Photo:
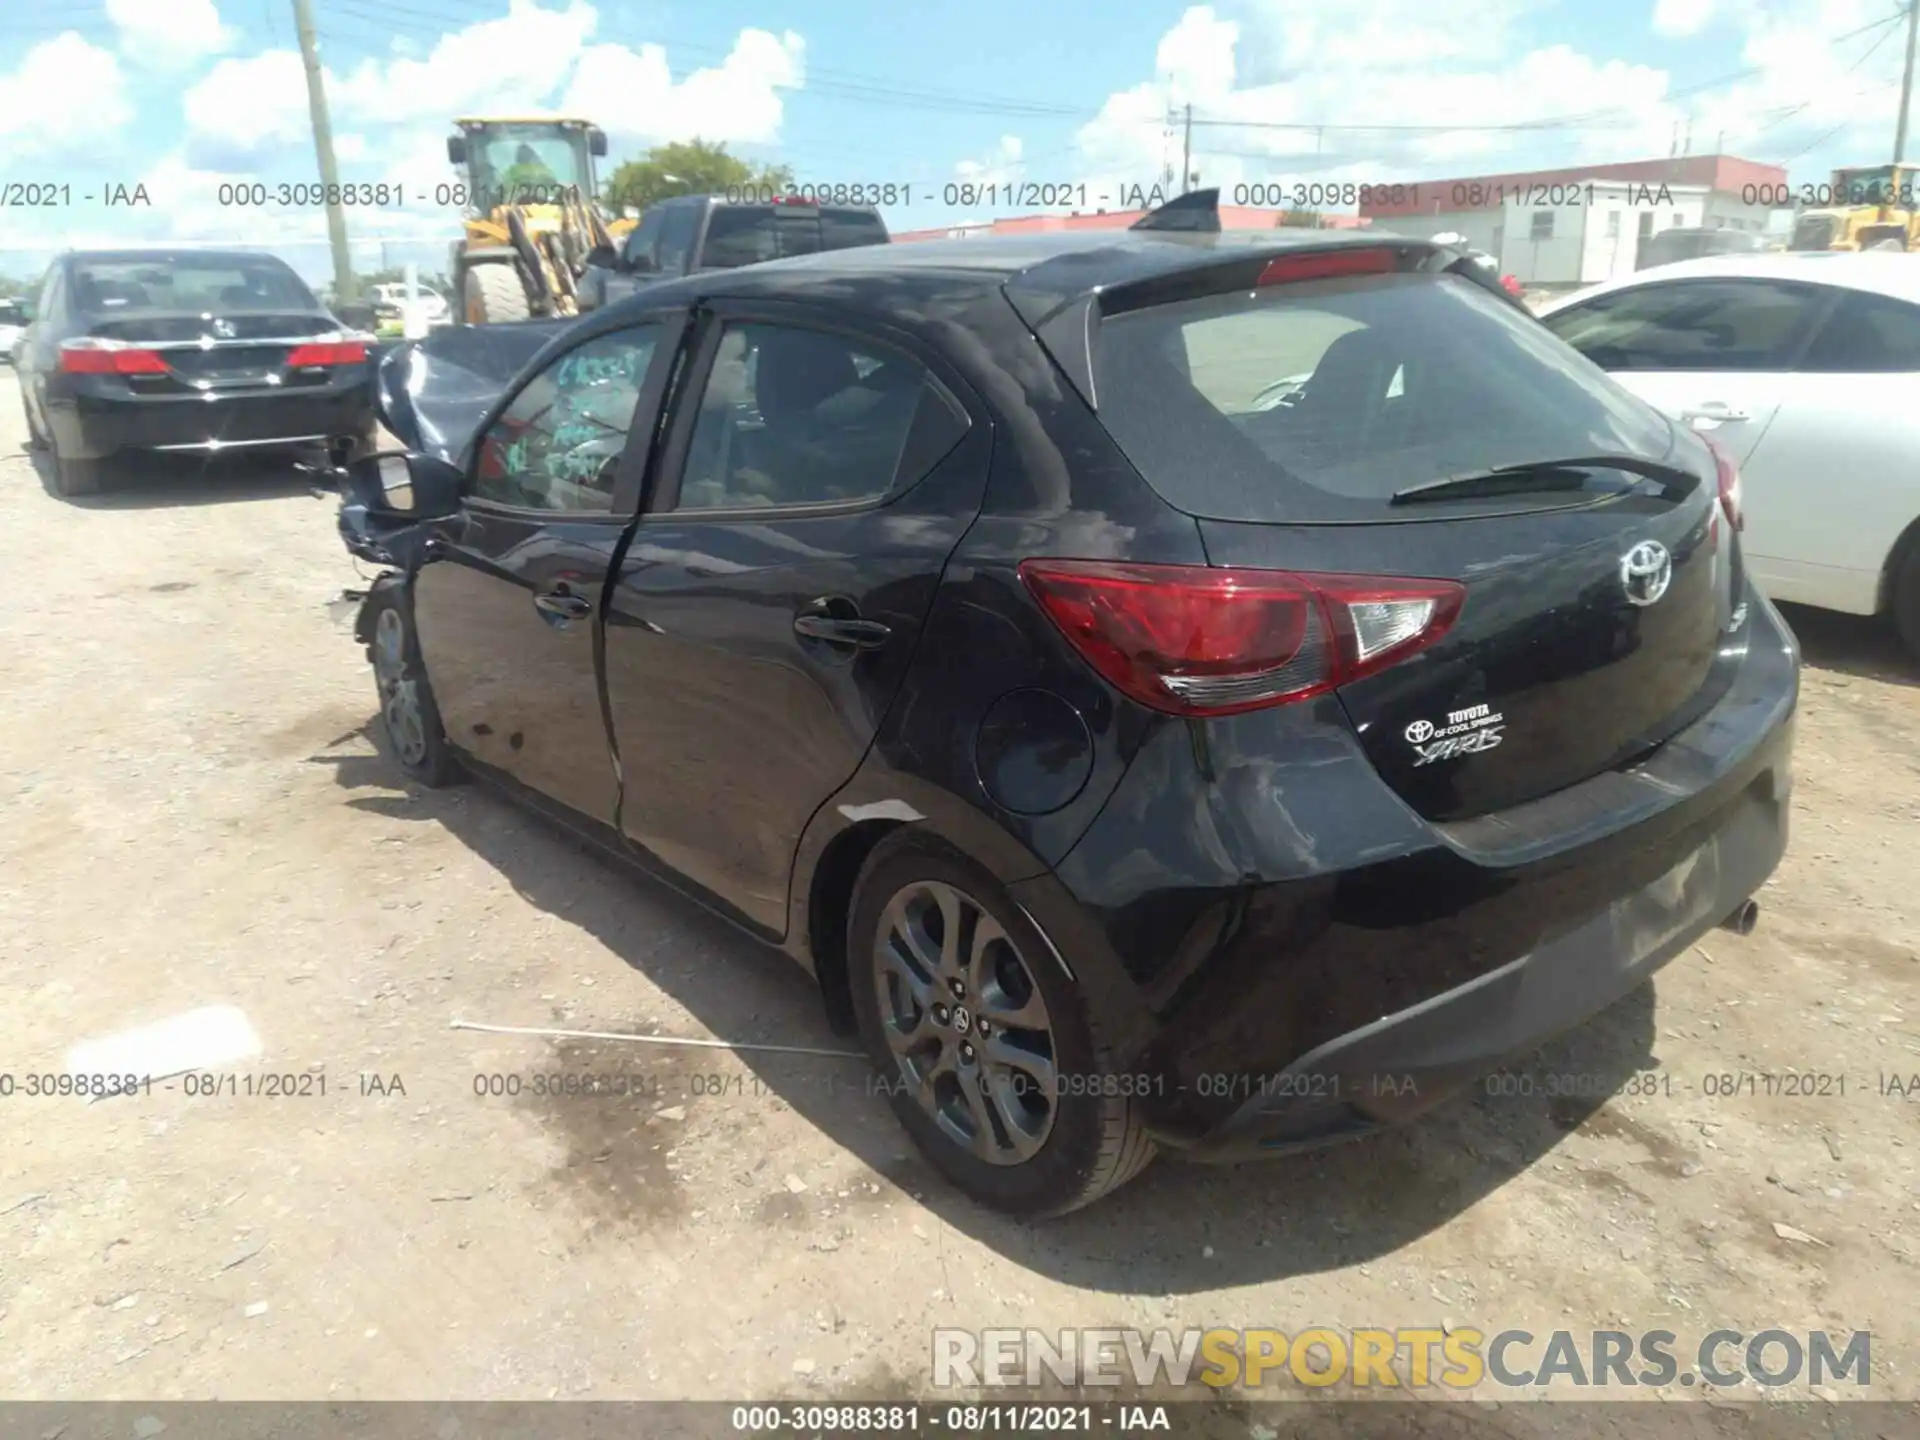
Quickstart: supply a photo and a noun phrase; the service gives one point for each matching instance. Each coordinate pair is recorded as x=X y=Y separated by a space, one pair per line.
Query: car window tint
x=676 y=238
x=798 y=417
x=1317 y=402
x=740 y=235
x=1867 y=334
x=557 y=445
x=165 y=282
x=1690 y=325
x=847 y=229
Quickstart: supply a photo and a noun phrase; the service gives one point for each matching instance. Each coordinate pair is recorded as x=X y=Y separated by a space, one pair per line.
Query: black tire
x=36 y=440
x=409 y=718
x=1906 y=598
x=78 y=477
x=493 y=295
x=1092 y=1142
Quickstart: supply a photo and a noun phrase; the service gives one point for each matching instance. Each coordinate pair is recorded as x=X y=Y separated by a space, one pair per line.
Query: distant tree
x=1298 y=220
x=689 y=167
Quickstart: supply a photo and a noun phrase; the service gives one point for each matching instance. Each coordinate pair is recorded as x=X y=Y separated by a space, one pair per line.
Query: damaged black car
x=1138 y=762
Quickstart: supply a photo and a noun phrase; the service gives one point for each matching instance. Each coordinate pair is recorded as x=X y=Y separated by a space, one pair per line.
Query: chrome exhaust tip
x=1745 y=916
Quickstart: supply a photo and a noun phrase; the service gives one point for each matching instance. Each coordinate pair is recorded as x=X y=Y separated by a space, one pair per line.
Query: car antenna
x=1196 y=212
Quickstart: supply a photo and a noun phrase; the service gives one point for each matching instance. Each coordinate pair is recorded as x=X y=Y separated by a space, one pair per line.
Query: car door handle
x=1714 y=410
x=562 y=605
x=834 y=630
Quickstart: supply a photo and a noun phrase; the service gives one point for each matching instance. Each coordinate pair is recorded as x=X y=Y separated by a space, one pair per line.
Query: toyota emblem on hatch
x=1645 y=572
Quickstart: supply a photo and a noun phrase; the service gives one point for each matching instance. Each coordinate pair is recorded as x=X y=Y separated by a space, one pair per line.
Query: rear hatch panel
x=1552 y=673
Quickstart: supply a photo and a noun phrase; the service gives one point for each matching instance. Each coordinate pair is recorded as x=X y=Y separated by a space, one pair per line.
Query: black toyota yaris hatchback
x=1174 y=691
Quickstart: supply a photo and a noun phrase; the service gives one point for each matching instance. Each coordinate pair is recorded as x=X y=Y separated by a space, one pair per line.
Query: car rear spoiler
x=432 y=393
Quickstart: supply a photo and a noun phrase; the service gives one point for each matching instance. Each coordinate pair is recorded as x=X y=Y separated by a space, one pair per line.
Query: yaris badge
x=1645 y=572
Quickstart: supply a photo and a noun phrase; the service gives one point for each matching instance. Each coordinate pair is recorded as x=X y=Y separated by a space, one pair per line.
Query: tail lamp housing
x=1195 y=640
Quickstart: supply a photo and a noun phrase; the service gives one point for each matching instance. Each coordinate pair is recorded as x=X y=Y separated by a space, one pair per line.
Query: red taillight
x=1326 y=265
x=341 y=352
x=1193 y=640
x=92 y=356
x=1729 y=477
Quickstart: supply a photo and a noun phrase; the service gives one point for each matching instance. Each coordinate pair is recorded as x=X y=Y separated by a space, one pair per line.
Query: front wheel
x=408 y=714
x=988 y=1052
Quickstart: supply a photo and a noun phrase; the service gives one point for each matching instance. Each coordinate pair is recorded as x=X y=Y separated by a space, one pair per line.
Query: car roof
x=1891 y=273
x=1049 y=268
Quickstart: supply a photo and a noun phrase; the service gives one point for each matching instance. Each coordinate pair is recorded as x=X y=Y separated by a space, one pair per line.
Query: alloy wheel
x=399 y=688
x=966 y=1023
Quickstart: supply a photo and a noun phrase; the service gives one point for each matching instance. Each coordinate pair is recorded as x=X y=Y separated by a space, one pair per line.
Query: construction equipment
x=532 y=219
x=1871 y=207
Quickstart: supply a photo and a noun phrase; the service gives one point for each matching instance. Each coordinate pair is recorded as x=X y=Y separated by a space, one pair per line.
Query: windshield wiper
x=1531 y=475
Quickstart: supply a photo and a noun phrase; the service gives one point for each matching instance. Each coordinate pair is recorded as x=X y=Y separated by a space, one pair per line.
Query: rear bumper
x=89 y=427
x=1404 y=1064
x=1344 y=965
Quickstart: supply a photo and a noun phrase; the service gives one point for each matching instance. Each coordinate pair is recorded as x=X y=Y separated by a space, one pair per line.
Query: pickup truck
x=710 y=232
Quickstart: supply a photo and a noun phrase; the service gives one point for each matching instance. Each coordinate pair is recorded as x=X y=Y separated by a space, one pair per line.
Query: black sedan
x=194 y=350
x=1134 y=766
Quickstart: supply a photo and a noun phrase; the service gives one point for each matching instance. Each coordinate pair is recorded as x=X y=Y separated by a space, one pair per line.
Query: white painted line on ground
x=197 y=1040
x=657 y=1040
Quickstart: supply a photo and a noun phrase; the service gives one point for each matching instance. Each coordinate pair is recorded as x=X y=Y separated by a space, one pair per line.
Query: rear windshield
x=12 y=312
x=846 y=229
x=1314 y=402
x=748 y=234
x=222 y=286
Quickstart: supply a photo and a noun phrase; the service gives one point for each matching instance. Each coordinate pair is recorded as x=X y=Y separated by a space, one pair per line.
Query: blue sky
x=185 y=95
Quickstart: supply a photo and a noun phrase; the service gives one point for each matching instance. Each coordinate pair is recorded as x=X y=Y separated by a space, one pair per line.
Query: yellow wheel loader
x=1866 y=207
x=532 y=218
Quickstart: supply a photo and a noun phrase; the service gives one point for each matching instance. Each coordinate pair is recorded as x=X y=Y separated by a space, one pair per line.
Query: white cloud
x=64 y=93
x=168 y=33
x=246 y=106
x=1677 y=19
x=1405 y=89
x=1002 y=167
x=632 y=94
x=514 y=63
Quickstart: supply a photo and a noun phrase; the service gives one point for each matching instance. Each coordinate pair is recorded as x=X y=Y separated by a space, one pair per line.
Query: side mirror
x=597 y=142
x=402 y=483
x=603 y=256
x=457 y=149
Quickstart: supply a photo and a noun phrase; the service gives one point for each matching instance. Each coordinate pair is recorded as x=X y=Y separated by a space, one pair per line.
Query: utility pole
x=1906 y=84
x=1186 y=149
x=344 y=291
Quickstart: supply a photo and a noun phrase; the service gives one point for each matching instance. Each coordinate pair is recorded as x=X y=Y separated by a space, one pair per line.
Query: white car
x=434 y=309
x=13 y=324
x=1805 y=369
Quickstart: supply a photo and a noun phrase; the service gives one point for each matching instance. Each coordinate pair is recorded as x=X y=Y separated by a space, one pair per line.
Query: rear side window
x=1316 y=401
x=1867 y=334
x=1692 y=325
x=793 y=416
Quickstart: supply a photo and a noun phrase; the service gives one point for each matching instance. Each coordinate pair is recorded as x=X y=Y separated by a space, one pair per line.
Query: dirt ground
x=195 y=815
